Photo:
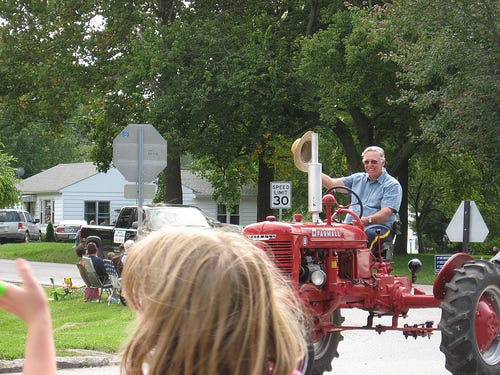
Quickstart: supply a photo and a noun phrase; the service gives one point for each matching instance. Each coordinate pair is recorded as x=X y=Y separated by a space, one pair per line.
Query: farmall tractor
x=330 y=265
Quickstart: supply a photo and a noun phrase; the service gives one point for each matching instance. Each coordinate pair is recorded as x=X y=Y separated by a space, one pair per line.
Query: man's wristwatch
x=369 y=219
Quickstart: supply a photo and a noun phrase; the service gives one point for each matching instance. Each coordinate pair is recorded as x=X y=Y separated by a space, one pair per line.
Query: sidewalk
x=87 y=360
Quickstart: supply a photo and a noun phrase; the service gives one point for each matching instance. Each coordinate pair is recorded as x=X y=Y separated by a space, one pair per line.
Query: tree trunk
x=313 y=15
x=364 y=126
x=266 y=175
x=402 y=240
x=420 y=234
x=172 y=192
x=345 y=136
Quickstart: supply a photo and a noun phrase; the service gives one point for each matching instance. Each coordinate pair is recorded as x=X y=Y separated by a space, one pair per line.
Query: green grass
x=77 y=325
x=425 y=276
x=53 y=252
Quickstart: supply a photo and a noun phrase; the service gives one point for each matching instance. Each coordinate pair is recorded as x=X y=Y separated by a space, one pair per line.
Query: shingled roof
x=56 y=178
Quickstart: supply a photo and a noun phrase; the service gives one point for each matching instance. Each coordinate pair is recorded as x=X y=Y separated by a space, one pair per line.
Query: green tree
x=42 y=78
x=357 y=89
x=9 y=194
x=449 y=55
x=217 y=84
x=438 y=184
x=49 y=236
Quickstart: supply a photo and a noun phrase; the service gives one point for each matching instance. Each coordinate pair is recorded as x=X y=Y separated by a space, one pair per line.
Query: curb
x=98 y=360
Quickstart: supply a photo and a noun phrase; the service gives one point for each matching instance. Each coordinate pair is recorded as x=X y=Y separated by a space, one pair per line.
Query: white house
x=79 y=191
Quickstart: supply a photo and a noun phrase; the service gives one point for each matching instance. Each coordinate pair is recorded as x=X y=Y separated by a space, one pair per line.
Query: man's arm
x=328 y=182
x=378 y=217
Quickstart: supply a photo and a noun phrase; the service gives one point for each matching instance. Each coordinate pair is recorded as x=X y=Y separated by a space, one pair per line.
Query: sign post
x=467 y=225
x=281 y=195
x=139 y=153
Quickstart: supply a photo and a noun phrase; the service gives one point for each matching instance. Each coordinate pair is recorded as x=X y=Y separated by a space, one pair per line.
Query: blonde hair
x=209 y=302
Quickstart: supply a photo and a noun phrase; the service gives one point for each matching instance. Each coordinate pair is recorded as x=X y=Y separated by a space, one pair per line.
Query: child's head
x=80 y=250
x=110 y=255
x=209 y=303
x=91 y=248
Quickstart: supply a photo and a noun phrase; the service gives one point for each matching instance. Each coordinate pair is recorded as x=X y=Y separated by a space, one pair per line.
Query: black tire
x=322 y=352
x=470 y=320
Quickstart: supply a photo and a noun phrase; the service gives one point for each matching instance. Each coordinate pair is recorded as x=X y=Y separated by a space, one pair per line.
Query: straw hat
x=302 y=151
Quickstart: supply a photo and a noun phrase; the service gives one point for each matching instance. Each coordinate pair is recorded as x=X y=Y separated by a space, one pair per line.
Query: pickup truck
x=108 y=238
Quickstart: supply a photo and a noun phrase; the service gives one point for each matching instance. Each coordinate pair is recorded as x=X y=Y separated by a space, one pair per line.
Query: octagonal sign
x=139 y=150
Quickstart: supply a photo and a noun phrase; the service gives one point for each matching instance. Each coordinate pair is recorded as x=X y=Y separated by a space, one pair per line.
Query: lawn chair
x=89 y=266
x=85 y=277
x=115 y=281
x=67 y=289
x=92 y=281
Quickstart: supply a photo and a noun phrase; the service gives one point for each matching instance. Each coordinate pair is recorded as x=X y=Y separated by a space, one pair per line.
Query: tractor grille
x=280 y=252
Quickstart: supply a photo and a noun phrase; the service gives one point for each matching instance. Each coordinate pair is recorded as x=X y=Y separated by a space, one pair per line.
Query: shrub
x=49 y=237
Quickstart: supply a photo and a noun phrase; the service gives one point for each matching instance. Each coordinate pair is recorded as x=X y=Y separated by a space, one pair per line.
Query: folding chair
x=67 y=289
x=115 y=280
x=92 y=280
x=89 y=266
x=85 y=277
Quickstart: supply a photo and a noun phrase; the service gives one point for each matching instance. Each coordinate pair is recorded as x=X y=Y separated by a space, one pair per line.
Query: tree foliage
x=233 y=83
x=449 y=54
x=40 y=46
x=437 y=186
x=8 y=178
x=357 y=88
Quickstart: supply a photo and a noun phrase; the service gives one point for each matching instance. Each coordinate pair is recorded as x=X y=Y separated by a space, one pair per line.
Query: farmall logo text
x=261 y=237
x=325 y=233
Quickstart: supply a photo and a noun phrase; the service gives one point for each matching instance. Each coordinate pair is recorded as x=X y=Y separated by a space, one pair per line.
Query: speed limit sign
x=281 y=194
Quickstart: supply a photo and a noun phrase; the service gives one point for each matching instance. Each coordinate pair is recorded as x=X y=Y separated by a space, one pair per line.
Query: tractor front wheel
x=470 y=335
x=324 y=350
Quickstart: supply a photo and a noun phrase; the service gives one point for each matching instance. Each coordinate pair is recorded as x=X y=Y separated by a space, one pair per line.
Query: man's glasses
x=366 y=162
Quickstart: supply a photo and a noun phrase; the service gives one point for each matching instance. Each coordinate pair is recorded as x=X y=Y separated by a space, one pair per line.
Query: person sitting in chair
x=97 y=262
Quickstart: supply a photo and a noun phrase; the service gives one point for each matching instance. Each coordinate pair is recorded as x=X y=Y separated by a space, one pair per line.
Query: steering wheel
x=347 y=192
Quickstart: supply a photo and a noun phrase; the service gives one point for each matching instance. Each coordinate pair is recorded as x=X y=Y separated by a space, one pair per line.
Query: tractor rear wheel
x=323 y=351
x=470 y=336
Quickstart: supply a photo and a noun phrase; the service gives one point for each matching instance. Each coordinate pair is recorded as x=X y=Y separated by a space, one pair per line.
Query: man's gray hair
x=380 y=151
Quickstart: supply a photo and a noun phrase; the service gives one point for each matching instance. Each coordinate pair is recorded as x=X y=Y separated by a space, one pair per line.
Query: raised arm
x=29 y=303
x=329 y=182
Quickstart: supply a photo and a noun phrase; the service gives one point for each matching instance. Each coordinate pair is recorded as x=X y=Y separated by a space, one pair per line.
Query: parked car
x=67 y=230
x=18 y=225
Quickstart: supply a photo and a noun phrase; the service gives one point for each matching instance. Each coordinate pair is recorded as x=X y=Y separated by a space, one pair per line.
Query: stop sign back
x=139 y=149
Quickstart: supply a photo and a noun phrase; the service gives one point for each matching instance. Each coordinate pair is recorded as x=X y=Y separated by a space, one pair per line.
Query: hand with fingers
x=29 y=302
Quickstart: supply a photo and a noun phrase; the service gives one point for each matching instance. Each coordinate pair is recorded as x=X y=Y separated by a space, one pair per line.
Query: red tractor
x=332 y=269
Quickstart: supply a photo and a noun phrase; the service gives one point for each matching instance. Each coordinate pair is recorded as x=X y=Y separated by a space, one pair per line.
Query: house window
x=228 y=217
x=97 y=211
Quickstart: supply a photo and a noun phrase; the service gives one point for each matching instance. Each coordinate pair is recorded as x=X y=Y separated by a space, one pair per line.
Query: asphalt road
x=361 y=352
x=43 y=272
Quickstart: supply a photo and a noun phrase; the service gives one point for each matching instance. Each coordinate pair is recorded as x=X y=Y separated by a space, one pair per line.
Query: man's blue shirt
x=383 y=192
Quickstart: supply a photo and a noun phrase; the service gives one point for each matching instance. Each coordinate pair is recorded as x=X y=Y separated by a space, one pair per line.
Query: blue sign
x=439 y=261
